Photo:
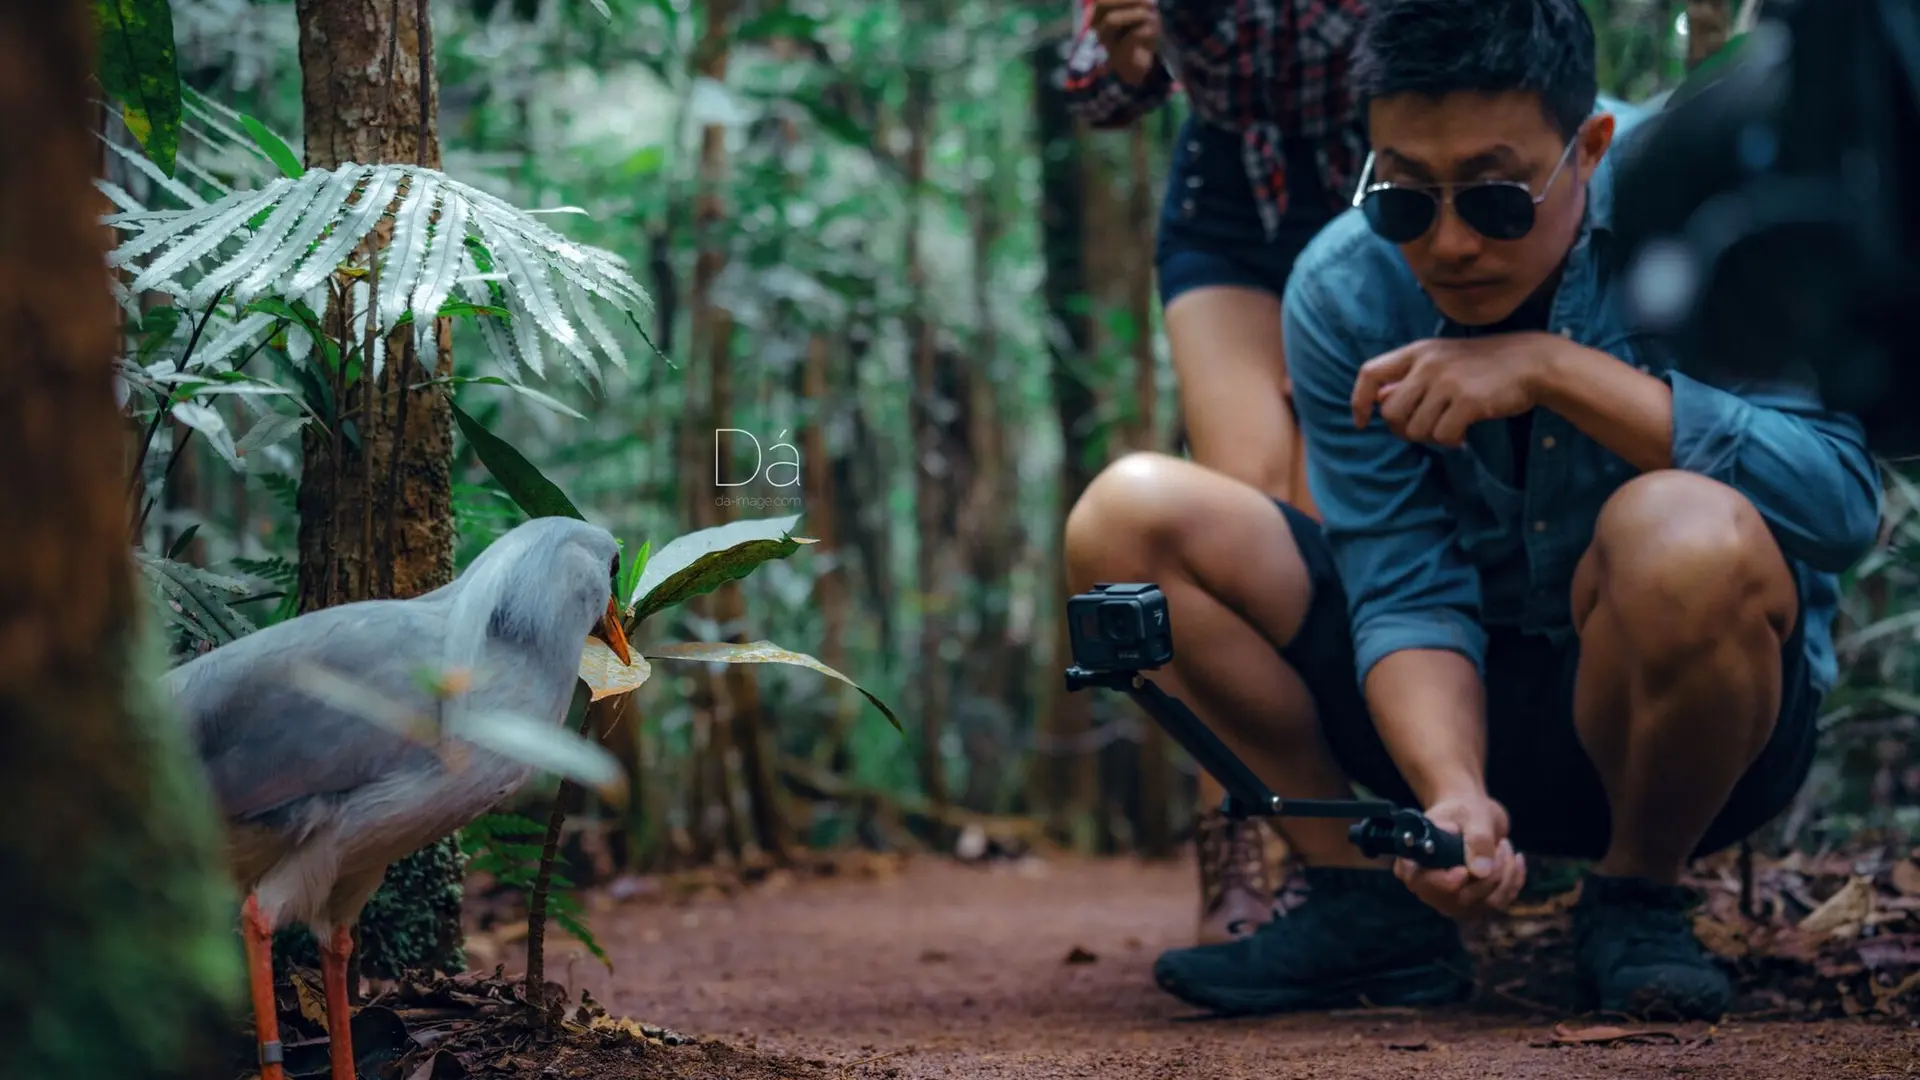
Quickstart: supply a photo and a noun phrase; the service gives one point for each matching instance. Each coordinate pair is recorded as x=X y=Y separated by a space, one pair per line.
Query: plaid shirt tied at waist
x=1268 y=69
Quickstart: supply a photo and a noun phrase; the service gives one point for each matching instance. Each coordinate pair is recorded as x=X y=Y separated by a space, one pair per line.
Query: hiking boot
x=1236 y=890
x=1638 y=955
x=1359 y=938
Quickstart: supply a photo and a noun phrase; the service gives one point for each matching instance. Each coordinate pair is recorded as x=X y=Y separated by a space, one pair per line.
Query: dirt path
x=944 y=970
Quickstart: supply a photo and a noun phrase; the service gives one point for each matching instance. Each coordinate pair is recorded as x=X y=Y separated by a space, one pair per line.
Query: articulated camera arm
x=1383 y=829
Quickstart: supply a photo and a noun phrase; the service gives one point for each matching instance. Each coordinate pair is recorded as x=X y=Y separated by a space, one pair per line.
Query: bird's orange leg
x=333 y=978
x=266 y=1018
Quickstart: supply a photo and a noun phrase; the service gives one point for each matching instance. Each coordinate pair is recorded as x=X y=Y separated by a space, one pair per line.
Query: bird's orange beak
x=608 y=630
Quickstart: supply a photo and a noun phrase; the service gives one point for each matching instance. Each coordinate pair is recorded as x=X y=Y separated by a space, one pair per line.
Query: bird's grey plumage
x=319 y=800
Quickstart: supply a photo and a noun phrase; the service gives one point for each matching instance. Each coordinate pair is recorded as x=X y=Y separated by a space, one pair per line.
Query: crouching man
x=1567 y=600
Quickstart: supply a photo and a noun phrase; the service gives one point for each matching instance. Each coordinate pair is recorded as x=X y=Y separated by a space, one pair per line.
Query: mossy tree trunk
x=376 y=504
x=119 y=953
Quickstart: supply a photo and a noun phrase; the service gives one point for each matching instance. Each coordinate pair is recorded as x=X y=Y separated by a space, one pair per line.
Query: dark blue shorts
x=1536 y=766
x=1210 y=231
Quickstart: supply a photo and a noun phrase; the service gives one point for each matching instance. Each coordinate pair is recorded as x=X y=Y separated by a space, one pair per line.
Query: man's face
x=1463 y=138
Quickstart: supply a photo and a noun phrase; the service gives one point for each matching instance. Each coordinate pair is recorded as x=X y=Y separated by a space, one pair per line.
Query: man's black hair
x=1438 y=47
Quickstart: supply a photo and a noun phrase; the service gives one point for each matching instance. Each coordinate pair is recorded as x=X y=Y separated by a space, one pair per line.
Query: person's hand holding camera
x=1130 y=32
x=1494 y=873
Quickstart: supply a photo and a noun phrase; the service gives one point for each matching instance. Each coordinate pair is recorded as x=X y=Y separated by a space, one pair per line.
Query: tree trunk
x=1157 y=781
x=376 y=504
x=119 y=951
x=933 y=469
x=1071 y=794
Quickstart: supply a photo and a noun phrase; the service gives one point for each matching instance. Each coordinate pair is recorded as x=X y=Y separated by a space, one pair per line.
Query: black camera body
x=1116 y=628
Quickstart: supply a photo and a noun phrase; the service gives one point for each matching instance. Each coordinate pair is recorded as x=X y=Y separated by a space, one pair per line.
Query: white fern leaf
x=529 y=280
x=407 y=254
x=437 y=277
x=152 y=172
x=217 y=231
x=240 y=335
x=583 y=307
x=157 y=227
x=474 y=286
x=119 y=196
x=353 y=227
x=273 y=232
x=309 y=228
x=313 y=224
x=571 y=255
x=184 y=163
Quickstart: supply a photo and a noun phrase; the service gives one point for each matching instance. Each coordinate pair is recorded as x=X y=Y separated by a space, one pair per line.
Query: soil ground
x=1040 y=969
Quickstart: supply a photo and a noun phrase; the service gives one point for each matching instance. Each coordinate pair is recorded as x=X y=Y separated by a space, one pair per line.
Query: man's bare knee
x=1681 y=561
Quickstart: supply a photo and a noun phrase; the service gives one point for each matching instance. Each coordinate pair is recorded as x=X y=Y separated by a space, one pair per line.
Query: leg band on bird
x=266 y=1019
x=333 y=977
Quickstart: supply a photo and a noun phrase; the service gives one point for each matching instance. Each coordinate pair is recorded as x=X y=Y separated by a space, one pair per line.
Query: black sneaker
x=1637 y=953
x=1359 y=938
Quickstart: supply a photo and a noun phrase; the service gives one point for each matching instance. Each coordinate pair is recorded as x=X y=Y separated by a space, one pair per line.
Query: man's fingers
x=1419 y=425
x=1509 y=890
x=1451 y=428
x=1374 y=374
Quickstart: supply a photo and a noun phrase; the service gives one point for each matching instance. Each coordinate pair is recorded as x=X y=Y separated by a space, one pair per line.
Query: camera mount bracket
x=1382 y=829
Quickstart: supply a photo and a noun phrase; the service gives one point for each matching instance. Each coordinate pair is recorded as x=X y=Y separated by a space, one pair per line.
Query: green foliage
x=275 y=148
x=529 y=489
x=507 y=847
x=137 y=68
x=700 y=562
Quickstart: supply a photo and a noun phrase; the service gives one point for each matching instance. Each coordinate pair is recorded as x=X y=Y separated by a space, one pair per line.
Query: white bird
x=319 y=799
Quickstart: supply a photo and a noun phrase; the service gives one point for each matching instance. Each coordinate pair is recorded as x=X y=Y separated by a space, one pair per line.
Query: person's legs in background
x=1221 y=281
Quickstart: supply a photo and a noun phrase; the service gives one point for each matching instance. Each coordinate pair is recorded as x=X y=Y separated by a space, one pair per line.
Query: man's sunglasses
x=1496 y=209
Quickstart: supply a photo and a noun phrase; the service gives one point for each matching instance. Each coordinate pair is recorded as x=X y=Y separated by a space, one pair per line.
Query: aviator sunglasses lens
x=1495 y=211
x=1399 y=215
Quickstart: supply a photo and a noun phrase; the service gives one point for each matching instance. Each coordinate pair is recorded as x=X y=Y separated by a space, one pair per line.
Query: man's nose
x=1452 y=240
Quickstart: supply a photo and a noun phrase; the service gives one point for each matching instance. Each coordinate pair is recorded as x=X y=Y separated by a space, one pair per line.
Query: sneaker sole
x=1428 y=984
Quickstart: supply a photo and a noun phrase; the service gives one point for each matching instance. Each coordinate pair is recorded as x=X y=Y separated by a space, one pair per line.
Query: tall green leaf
x=700 y=562
x=274 y=147
x=761 y=652
x=524 y=484
x=138 y=69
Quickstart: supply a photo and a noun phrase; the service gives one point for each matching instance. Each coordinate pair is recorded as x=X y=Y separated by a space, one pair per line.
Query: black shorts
x=1210 y=231
x=1536 y=767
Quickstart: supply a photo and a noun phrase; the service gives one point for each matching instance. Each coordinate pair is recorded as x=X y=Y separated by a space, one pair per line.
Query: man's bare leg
x=1682 y=603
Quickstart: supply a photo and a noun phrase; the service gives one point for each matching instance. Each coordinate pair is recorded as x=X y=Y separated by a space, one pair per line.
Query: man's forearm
x=1615 y=404
x=1429 y=706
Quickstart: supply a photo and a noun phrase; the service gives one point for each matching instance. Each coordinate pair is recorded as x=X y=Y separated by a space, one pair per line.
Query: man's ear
x=1595 y=137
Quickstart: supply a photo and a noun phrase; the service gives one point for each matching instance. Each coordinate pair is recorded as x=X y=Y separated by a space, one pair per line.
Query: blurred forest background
x=881 y=252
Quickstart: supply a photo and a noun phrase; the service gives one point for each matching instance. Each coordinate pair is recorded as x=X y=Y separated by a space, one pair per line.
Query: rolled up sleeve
x=1806 y=470
x=1408 y=584
x=1099 y=97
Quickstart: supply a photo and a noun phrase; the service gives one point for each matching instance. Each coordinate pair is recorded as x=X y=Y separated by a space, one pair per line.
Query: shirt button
x=1539 y=526
x=1193 y=181
x=1186 y=207
x=1566 y=331
x=1193 y=146
x=1546 y=443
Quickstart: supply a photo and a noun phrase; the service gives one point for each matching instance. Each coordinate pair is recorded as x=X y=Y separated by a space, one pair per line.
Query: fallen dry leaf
x=313 y=1004
x=1607 y=1035
x=1844 y=911
x=1420 y=1043
x=606 y=676
x=1080 y=956
x=1906 y=877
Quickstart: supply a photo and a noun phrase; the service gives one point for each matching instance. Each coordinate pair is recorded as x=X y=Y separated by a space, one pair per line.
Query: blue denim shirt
x=1434 y=545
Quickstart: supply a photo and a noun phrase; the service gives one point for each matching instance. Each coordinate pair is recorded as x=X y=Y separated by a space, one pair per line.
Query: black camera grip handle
x=1407 y=834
